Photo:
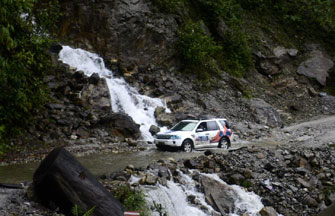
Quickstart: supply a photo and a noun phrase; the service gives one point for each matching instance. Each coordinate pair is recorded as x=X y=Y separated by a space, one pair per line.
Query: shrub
x=24 y=43
x=132 y=199
x=198 y=50
x=169 y=6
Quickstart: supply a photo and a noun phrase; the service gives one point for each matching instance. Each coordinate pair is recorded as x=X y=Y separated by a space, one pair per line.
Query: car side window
x=203 y=126
x=212 y=125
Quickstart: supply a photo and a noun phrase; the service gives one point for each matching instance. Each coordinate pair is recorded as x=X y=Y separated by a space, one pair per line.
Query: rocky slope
x=290 y=181
x=141 y=44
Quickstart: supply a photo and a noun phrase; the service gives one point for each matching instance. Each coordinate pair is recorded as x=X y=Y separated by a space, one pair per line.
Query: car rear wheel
x=187 y=146
x=224 y=143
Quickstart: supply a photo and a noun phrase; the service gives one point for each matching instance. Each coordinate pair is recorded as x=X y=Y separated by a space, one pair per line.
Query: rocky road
x=314 y=133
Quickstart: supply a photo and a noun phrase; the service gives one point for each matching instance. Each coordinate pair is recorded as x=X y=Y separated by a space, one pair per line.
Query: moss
x=246 y=184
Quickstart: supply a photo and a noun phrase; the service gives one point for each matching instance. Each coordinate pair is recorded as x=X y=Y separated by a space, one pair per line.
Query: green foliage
x=198 y=50
x=237 y=53
x=207 y=53
x=23 y=61
x=313 y=19
x=214 y=10
x=246 y=184
x=76 y=211
x=169 y=6
x=132 y=199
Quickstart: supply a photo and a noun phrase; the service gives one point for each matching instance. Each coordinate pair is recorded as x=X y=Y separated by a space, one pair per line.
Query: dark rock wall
x=124 y=30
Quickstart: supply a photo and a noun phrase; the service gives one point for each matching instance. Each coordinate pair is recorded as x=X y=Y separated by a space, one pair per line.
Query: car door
x=214 y=133
x=202 y=135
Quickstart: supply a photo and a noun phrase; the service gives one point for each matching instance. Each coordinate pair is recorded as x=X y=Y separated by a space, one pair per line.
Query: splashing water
x=173 y=198
x=124 y=98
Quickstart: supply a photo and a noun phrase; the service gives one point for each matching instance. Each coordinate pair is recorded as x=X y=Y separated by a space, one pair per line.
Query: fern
x=76 y=211
x=89 y=212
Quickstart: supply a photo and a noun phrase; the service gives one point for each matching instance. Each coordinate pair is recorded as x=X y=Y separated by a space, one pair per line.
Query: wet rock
x=154 y=130
x=94 y=79
x=149 y=180
x=218 y=195
x=165 y=119
x=191 y=164
x=268 y=211
x=121 y=125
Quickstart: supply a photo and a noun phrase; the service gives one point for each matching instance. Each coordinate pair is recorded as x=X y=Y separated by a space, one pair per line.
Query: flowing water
x=124 y=98
x=127 y=99
x=98 y=164
x=173 y=198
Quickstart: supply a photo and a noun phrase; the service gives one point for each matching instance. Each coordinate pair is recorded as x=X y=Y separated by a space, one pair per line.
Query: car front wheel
x=187 y=146
x=224 y=143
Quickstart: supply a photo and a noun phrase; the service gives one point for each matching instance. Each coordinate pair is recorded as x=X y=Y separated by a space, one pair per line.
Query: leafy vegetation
x=198 y=50
x=76 y=211
x=24 y=41
x=230 y=50
x=132 y=199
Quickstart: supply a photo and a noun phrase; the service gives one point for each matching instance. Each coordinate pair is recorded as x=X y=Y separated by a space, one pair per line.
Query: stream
x=98 y=164
x=125 y=98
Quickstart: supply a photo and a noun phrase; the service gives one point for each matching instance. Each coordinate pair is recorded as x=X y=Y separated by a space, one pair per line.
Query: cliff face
x=126 y=31
x=136 y=39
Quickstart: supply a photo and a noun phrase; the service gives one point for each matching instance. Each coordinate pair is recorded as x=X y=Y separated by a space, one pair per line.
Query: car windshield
x=184 y=126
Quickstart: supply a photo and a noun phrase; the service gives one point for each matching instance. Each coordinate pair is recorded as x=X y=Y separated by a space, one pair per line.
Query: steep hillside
x=225 y=58
x=260 y=64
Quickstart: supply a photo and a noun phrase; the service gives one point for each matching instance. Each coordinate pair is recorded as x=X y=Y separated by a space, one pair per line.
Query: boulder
x=154 y=129
x=96 y=95
x=317 y=66
x=264 y=113
x=62 y=181
x=121 y=125
x=94 y=79
x=165 y=119
x=268 y=211
x=221 y=197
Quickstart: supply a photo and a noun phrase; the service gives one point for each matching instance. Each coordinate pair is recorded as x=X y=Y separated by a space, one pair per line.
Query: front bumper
x=164 y=142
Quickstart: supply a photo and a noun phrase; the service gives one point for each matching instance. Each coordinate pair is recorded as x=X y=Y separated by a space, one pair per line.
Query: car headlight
x=155 y=136
x=174 y=137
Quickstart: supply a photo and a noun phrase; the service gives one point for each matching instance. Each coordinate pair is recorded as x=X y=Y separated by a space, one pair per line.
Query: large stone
x=121 y=125
x=221 y=197
x=96 y=95
x=62 y=180
x=316 y=67
x=264 y=113
x=268 y=211
x=165 y=119
x=154 y=129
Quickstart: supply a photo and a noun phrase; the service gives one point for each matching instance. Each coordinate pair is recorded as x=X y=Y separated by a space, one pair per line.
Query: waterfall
x=173 y=198
x=124 y=98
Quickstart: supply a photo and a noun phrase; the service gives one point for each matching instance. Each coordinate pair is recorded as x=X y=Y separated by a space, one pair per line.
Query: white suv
x=193 y=134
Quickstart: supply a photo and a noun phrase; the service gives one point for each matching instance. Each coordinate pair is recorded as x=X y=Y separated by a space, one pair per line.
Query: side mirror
x=199 y=130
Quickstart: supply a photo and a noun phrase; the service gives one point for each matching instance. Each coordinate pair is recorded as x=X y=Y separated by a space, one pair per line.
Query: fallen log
x=62 y=181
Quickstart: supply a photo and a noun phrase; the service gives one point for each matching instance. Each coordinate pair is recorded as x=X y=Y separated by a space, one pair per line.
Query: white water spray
x=173 y=198
x=124 y=98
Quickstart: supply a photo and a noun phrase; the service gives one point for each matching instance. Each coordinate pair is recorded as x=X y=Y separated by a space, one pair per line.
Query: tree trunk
x=62 y=181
